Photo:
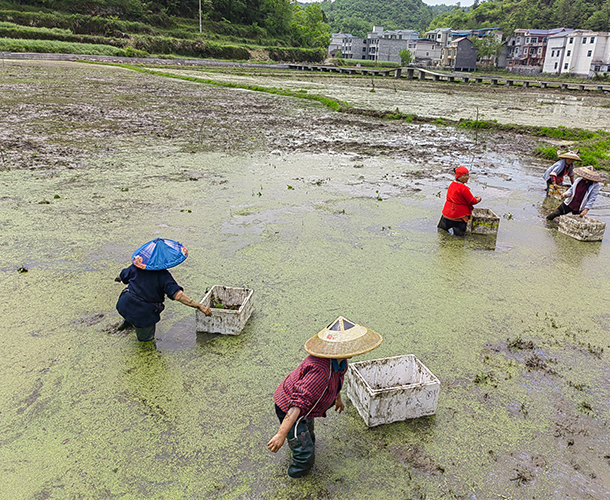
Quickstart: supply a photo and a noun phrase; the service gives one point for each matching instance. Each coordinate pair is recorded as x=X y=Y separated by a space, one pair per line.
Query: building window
x=555 y=66
x=565 y=66
x=571 y=39
x=540 y=50
x=596 y=68
x=584 y=39
x=592 y=39
x=589 y=53
x=533 y=40
x=569 y=52
x=552 y=53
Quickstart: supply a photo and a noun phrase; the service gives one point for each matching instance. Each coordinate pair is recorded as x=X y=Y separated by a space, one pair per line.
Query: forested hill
x=543 y=14
x=358 y=16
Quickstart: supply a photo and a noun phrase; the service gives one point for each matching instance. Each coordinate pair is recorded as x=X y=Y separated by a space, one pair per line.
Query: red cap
x=460 y=171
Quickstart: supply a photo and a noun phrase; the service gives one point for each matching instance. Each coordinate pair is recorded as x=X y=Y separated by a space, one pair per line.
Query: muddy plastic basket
x=556 y=192
x=230 y=319
x=392 y=389
x=483 y=221
x=582 y=228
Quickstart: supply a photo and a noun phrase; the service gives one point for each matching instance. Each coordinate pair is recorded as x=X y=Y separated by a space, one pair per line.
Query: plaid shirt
x=305 y=385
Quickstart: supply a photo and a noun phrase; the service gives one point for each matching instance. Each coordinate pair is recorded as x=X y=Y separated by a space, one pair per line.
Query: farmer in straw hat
x=458 y=207
x=557 y=171
x=581 y=195
x=148 y=282
x=314 y=387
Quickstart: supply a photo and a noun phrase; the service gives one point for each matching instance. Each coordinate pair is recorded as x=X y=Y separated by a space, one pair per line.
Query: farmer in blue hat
x=148 y=282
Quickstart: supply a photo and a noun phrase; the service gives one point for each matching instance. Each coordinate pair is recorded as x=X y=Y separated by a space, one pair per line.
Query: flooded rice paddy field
x=322 y=214
x=456 y=101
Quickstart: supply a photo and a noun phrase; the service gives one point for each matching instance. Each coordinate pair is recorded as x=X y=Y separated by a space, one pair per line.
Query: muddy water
x=523 y=106
x=516 y=328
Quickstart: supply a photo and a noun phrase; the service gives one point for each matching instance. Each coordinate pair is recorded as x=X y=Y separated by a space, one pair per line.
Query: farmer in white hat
x=557 y=171
x=581 y=195
x=314 y=387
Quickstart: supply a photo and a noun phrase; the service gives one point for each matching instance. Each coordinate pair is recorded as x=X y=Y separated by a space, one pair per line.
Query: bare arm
x=182 y=297
x=339 y=404
x=277 y=441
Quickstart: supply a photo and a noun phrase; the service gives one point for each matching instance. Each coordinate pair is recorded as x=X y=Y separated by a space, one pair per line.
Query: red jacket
x=459 y=201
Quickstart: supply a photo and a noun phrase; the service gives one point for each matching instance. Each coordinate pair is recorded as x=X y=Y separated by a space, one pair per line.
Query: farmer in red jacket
x=458 y=207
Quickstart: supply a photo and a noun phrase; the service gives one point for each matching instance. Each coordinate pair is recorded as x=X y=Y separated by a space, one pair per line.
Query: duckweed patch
x=95 y=413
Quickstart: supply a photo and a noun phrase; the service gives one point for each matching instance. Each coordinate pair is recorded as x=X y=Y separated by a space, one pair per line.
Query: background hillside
x=231 y=29
x=543 y=14
x=280 y=30
x=358 y=16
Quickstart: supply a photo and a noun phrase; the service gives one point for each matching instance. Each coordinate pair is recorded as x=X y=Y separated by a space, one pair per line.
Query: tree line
x=357 y=17
x=284 y=20
x=509 y=15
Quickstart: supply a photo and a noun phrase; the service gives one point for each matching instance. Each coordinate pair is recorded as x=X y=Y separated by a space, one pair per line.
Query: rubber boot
x=302 y=447
x=554 y=214
x=125 y=325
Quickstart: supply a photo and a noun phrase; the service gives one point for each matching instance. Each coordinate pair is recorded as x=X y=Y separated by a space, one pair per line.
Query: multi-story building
x=350 y=46
x=460 y=55
x=440 y=35
x=447 y=36
x=580 y=53
x=399 y=34
x=383 y=45
x=527 y=49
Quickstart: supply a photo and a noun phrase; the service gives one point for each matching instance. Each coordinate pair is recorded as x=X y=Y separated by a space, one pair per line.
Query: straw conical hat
x=588 y=173
x=570 y=155
x=342 y=339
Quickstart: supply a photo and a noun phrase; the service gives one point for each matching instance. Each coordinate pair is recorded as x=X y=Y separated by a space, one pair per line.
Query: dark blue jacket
x=142 y=301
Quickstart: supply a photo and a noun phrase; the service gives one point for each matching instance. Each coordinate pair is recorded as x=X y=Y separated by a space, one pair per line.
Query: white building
x=586 y=53
x=440 y=35
x=580 y=53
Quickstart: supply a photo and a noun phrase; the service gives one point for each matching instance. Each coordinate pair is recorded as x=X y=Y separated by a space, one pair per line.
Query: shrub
x=546 y=153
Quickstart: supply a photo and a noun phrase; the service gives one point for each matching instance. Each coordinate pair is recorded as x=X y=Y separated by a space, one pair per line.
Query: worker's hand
x=584 y=212
x=339 y=404
x=205 y=310
x=564 y=195
x=276 y=443
x=478 y=198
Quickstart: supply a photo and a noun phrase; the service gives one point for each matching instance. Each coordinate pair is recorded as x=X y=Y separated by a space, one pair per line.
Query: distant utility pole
x=199 y=16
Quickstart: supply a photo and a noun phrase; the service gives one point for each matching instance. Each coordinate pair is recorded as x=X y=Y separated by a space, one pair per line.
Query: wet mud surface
x=322 y=214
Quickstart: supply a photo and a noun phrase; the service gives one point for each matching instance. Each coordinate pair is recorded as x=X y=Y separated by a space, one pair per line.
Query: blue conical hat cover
x=158 y=254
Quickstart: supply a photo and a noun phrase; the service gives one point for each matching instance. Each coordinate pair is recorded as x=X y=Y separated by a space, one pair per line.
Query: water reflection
x=573 y=251
x=470 y=241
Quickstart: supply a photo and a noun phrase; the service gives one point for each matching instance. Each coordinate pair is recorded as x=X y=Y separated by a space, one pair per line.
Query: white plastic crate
x=225 y=321
x=582 y=228
x=483 y=221
x=392 y=389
